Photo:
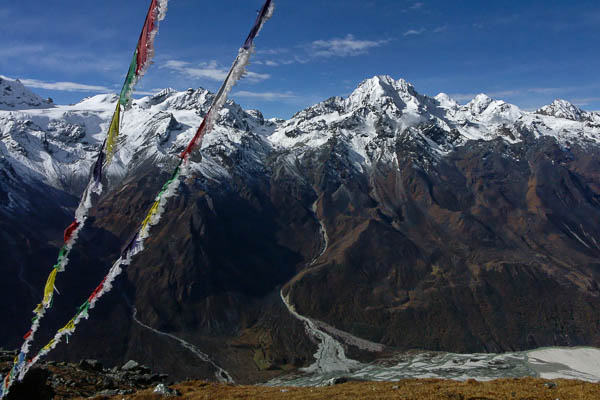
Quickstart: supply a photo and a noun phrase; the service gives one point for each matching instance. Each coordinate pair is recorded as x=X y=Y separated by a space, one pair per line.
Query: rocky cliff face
x=389 y=216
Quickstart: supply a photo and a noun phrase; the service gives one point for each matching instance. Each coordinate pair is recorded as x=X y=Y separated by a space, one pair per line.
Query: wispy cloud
x=584 y=101
x=414 y=32
x=272 y=52
x=550 y=90
x=268 y=63
x=343 y=47
x=53 y=58
x=268 y=96
x=18 y=50
x=65 y=86
x=17 y=24
x=204 y=71
x=418 y=5
x=210 y=70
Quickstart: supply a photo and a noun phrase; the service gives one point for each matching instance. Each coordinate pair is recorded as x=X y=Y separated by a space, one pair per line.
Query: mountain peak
x=373 y=90
x=15 y=96
x=190 y=99
x=480 y=103
x=562 y=109
x=446 y=101
x=386 y=82
x=99 y=100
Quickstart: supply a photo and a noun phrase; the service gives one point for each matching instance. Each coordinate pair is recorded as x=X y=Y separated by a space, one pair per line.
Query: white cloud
x=343 y=47
x=417 y=5
x=175 y=64
x=584 y=101
x=412 y=32
x=269 y=63
x=272 y=51
x=19 y=50
x=268 y=96
x=210 y=70
x=64 y=86
x=549 y=90
x=304 y=53
x=256 y=77
x=53 y=58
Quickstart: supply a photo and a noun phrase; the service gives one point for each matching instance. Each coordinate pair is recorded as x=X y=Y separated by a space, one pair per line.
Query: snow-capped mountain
x=382 y=106
x=387 y=217
x=381 y=110
x=565 y=110
x=15 y=96
x=57 y=144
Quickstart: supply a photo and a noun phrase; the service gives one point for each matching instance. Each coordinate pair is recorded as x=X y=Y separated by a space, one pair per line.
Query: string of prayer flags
x=143 y=54
x=169 y=189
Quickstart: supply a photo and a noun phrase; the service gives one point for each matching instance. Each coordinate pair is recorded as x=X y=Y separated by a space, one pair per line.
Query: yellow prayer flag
x=49 y=289
x=69 y=326
x=150 y=214
x=39 y=309
x=48 y=346
x=113 y=133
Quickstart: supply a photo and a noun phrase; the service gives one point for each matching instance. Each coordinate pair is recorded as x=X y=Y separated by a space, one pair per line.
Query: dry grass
x=417 y=389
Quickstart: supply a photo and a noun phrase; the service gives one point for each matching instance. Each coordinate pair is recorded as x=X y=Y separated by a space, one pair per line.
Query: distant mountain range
x=398 y=219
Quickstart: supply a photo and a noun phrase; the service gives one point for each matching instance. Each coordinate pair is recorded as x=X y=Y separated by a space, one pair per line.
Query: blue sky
x=524 y=52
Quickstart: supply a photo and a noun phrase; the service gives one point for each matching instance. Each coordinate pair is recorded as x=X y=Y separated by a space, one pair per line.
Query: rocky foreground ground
x=132 y=381
x=421 y=389
x=88 y=378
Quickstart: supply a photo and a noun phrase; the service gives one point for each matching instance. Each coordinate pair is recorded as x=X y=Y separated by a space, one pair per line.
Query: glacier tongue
x=330 y=355
x=547 y=363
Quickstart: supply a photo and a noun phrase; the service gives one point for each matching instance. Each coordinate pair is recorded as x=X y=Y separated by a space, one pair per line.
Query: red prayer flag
x=199 y=133
x=70 y=229
x=95 y=292
x=145 y=40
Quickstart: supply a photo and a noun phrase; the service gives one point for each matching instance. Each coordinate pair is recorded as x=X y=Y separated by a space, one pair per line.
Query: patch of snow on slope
x=566 y=363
